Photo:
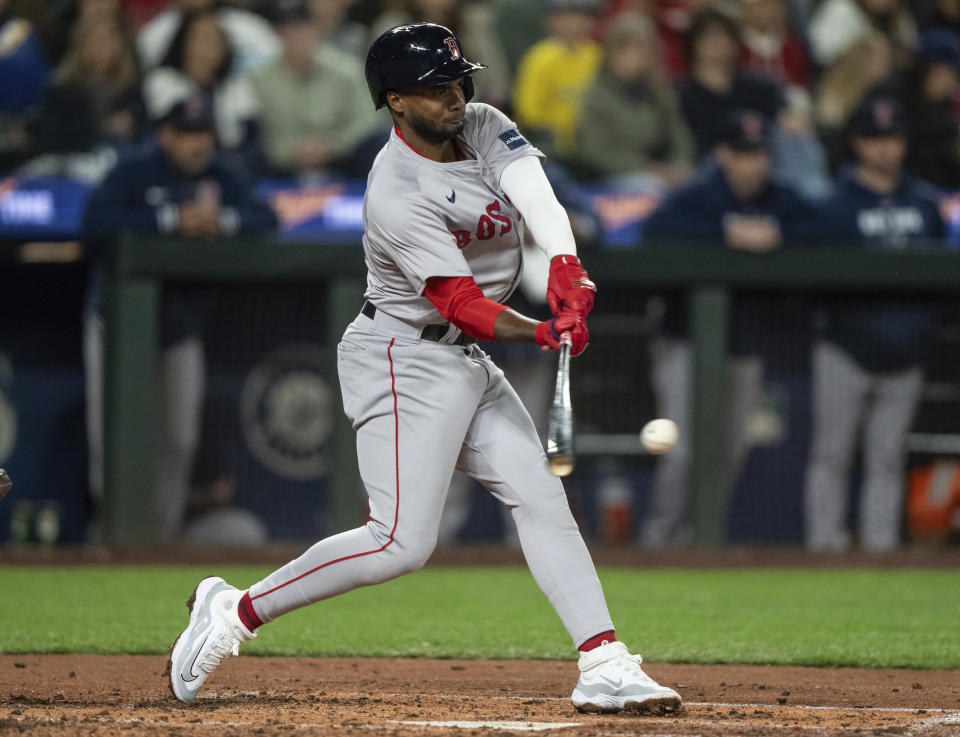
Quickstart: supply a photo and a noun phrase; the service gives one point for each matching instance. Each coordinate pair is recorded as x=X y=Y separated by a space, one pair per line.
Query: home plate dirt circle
x=67 y=695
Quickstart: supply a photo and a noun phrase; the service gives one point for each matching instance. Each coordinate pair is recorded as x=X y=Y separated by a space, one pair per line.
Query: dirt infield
x=74 y=695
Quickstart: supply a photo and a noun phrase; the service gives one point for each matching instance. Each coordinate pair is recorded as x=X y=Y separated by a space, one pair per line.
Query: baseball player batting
x=447 y=202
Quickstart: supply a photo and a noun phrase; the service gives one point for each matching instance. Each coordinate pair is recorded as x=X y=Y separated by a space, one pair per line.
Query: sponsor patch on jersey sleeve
x=512 y=139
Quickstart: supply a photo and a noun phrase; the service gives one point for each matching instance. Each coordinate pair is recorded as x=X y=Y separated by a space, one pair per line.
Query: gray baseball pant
x=671 y=376
x=532 y=380
x=420 y=410
x=848 y=399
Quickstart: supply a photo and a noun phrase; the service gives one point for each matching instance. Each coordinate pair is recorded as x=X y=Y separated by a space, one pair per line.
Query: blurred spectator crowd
x=617 y=91
x=737 y=114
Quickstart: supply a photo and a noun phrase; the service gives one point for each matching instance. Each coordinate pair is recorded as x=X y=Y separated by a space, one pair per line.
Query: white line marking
x=722 y=704
x=234 y=725
x=211 y=723
x=938 y=721
x=938 y=717
x=517 y=726
x=941 y=717
x=867 y=709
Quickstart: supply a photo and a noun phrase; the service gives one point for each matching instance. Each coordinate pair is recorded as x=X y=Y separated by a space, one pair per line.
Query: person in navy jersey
x=715 y=87
x=177 y=186
x=735 y=204
x=23 y=76
x=868 y=359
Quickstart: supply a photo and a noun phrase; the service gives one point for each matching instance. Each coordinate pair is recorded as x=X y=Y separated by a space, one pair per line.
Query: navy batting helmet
x=416 y=54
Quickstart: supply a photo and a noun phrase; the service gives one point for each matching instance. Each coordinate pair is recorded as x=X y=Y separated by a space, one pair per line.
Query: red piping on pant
x=396 y=514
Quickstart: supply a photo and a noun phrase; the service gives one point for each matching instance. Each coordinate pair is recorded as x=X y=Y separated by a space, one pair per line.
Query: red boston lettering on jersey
x=493 y=210
x=451 y=43
x=486 y=227
x=463 y=238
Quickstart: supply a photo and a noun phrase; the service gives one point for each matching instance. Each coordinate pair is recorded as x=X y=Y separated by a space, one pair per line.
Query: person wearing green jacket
x=314 y=108
x=631 y=126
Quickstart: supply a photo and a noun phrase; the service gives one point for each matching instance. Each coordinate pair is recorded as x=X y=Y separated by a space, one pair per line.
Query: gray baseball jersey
x=422 y=408
x=423 y=218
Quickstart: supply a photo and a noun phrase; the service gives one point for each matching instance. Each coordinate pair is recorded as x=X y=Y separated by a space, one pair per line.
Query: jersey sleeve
x=496 y=141
x=408 y=234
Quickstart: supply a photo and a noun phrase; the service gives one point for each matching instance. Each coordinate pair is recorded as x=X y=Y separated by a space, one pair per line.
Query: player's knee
x=549 y=510
x=412 y=555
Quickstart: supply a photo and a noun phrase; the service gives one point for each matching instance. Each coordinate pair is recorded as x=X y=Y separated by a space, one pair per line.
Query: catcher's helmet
x=416 y=54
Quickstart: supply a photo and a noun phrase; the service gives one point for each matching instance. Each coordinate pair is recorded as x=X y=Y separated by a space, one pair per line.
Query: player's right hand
x=569 y=287
x=549 y=331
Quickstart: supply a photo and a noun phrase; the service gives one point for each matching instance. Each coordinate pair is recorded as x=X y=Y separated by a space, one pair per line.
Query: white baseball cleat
x=214 y=633
x=611 y=680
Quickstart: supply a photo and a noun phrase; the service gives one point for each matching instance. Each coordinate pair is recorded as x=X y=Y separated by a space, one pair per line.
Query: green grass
x=868 y=618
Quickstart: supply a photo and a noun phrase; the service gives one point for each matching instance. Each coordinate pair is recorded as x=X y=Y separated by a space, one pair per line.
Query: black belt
x=434 y=333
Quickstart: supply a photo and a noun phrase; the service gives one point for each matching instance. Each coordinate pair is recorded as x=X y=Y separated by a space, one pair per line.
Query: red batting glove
x=569 y=287
x=549 y=332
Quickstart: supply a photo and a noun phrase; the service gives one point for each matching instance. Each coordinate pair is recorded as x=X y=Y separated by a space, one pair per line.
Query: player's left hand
x=569 y=286
x=549 y=331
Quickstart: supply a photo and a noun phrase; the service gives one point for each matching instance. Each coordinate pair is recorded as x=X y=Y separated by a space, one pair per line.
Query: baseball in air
x=659 y=436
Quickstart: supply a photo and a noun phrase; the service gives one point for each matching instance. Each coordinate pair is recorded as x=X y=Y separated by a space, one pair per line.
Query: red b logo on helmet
x=451 y=43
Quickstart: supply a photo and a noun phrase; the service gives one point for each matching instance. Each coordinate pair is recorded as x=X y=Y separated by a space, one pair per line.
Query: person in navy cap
x=738 y=205
x=177 y=186
x=869 y=354
x=180 y=185
x=931 y=90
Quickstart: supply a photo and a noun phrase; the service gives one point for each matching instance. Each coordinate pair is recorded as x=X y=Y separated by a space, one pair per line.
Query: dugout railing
x=141 y=266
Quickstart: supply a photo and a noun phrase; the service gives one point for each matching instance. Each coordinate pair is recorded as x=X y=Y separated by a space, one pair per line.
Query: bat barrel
x=560 y=453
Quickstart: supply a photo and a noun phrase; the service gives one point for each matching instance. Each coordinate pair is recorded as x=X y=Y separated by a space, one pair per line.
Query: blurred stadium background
x=270 y=465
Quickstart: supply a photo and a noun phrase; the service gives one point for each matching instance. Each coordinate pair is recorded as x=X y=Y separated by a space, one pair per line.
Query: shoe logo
x=452 y=197
x=613 y=684
x=191 y=672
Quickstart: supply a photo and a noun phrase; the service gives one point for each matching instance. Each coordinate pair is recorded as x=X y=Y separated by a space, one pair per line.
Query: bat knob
x=560 y=466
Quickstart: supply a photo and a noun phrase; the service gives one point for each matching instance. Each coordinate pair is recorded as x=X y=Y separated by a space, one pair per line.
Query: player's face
x=435 y=113
x=882 y=154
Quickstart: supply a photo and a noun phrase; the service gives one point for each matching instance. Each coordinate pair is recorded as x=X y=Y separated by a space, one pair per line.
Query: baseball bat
x=560 y=456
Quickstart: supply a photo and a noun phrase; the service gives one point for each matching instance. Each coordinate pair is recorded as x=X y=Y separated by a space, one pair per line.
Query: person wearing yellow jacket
x=553 y=74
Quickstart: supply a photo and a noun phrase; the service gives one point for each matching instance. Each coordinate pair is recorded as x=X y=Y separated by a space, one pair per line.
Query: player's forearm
x=460 y=301
x=528 y=188
x=512 y=327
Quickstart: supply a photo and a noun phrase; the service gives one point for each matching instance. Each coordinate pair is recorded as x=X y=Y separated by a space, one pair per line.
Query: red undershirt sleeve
x=460 y=301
